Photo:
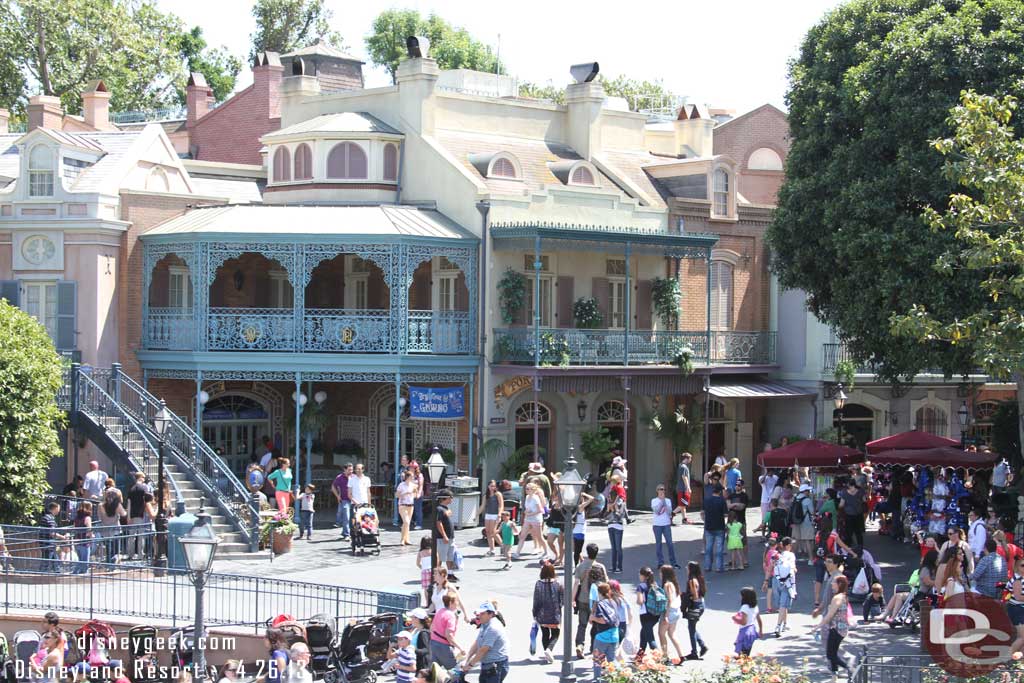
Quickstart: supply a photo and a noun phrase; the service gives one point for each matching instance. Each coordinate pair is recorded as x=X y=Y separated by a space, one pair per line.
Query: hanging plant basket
x=511 y=295
x=666 y=295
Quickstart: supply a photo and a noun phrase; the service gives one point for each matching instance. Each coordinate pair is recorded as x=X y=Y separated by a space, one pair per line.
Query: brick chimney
x=5 y=120
x=96 y=105
x=266 y=81
x=44 y=111
x=197 y=98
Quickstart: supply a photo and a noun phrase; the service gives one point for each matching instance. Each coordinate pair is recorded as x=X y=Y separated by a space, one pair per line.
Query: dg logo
x=970 y=635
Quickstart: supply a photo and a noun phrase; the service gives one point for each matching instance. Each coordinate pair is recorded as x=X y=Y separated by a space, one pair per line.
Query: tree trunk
x=44 y=70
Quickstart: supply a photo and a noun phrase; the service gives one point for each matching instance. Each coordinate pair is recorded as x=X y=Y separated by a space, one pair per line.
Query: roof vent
x=584 y=73
x=417 y=46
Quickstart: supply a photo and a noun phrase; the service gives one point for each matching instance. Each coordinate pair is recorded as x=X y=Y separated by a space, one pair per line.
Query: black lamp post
x=436 y=468
x=161 y=421
x=962 y=415
x=570 y=485
x=199 y=546
x=840 y=403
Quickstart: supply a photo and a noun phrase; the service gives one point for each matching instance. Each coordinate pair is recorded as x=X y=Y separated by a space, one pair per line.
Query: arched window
x=582 y=176
x=502 y=167
x=282 y=165
x=984 y=421
x=346 y=160
x=390 y=162
x=858 y=424
x=721 y=295
x=764 y=159
x=720 y=192
x=933 y=420
x=611 y=411
x=157 y=180
x=303 y=162
x=716 y=410
x=525 y=414
x=40 y=172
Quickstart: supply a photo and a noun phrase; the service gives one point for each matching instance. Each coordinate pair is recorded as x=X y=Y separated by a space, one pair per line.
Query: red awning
x=810 y=453
x=936 y=457
x=912 y=440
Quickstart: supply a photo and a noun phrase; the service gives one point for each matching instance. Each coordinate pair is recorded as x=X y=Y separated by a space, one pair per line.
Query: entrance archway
x=612 y=416
x=858 y=424
x=235 y=423
x=525 y=420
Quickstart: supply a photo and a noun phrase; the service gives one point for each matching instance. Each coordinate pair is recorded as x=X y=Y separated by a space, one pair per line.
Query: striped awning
x=758 y=390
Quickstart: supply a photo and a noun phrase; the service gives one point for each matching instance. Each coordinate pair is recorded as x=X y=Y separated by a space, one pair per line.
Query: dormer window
x=390 y=162
x=720 y=193
x=282 y=165
x=581 y=175
x=347 y=161
x=503 y=167
x=303 y=162
x=40 y=172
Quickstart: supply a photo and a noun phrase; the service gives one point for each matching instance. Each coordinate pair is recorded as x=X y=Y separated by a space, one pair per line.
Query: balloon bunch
x=956 y=516
x=920 y=503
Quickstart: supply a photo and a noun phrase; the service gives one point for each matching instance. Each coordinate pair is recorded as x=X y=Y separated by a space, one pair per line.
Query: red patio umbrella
x=810 y=453
x=912 y=440
x=946 y=456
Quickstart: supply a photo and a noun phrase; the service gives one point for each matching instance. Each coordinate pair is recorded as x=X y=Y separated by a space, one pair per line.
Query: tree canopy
x=55 y=47
x=284 y=25
x=873 y=83
x=640 y=94
x=30 y=376
x=453 y=47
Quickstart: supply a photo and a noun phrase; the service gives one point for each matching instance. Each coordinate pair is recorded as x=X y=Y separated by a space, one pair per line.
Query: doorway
x=612 y=416
x=526 y=417
x=236 y=424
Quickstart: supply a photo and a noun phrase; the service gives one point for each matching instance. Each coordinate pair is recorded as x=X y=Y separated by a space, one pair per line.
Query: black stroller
x=321 y=637
x=184 y=651
x=362 y=650
x=365 y=530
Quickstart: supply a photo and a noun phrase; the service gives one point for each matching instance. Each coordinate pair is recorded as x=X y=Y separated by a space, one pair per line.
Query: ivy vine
x=511 y=295
x=667 y=295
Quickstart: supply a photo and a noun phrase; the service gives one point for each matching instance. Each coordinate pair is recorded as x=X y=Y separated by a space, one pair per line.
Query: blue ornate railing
x=440 y=332
x=251 y=329
x=364 y=331
x=171 y=329
x=560 y=346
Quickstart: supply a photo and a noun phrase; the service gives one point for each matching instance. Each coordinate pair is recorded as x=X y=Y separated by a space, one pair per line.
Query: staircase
x=118 y=415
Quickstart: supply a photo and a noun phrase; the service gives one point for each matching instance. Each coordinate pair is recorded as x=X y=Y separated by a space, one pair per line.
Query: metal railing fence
x=922 y=668
x=107 y=590
x=35 y=549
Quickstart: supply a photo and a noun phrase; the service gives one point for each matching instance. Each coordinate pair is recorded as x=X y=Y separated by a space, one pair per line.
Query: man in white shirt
x=359 y=487
x=976 y=533
x=767 y=480
x=1000 y=475
x=95 y=480
x=662 y=522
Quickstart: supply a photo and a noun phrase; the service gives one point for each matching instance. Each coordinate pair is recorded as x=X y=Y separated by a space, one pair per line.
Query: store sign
x=433 y=403
x=511 y=387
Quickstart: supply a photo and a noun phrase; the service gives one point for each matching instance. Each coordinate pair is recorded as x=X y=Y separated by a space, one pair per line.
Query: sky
x=729 y=53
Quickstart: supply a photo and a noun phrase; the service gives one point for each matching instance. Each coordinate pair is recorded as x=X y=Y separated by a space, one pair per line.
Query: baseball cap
x=404 y=634
x=419 y=613
x=486 y=607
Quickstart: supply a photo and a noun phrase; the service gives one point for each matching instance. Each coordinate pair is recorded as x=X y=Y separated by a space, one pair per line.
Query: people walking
x=444 y=530
x=110 y=513
x=767 y=480
x=359 y=486
x=533 y=520
x=83 y=536
x=662 y=524
x=651 y=603
x=605 y=618
x=737 y=502
x=771 y=556
x=493 y=504
x=838 y=625
x=507 y=531
x=490 y=648
x=673 y=612
x=406 y=496
x=581 y=593
x=282 y=480
x=852 y=504
x=579 y=526
x=802 y=521
x=339 y=487
x=617 y=514
x=683 y=488
x=424 y=560
x=443 y=645
x=714 y=530
x=749 y=621
x=784 y=583
x=548 y=596
x=734 y=541
x=417 y=504
x=696 y=589
x=306 y=506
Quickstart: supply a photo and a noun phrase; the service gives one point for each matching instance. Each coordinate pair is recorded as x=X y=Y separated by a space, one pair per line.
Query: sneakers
x=515 y=555
x=579 y=652
x=490 y=553
x=508 y=565
x=549 y=657
x=703 y=650
x=778 y=630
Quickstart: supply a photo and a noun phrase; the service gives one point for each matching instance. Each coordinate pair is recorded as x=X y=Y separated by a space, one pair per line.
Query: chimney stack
x=96 y=105
x=266 y=79
x=417 y=79
x=197 y=98
x=5 y=120
x=583 y=102
x=44 y=111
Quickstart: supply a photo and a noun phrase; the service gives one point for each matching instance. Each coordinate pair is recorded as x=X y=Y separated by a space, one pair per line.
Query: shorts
x=673 y=615
x=683 y=499
x=819 y=570
x=1016 y=613
x=490 y=518
x=783 y=599
x=445 y=551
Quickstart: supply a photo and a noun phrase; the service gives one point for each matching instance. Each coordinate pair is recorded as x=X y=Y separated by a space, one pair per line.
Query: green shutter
x=67 y=307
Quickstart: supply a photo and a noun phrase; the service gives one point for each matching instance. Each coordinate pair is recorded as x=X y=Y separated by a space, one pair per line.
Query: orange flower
x=775 y=679
x=726 y=658
x=745 y=669
x=1018 y=655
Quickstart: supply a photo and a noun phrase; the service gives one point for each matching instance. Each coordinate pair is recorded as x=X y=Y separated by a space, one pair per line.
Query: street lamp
x=840 y=402
x=581 y=409
x=570 y=486
x=962 y=415
x=161 y=422
x=436 y=467
x=199 y=546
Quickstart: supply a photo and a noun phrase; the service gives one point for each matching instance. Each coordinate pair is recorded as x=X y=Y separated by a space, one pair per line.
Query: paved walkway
x=326 y=560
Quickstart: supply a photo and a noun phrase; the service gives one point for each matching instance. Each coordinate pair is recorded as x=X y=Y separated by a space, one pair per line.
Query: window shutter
x=643 y=305
x=10 y=290
x=461 y=293
x=565 y=301
x=67 y=306
x=600 y=293
x=160 y=287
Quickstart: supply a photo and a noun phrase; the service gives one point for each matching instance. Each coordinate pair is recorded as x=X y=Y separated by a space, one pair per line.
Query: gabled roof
x=321 y=49
x=764 y=107
x=80 y=140
x=9 y=157
x=630 y=165
x=347 y=122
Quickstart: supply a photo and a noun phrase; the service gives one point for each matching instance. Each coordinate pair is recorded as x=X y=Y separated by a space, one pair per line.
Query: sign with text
x=436 y=403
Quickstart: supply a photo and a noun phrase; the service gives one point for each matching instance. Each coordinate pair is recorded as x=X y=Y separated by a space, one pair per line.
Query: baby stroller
x=321 y=638
x=7 y=671
x=365 y=529
x=26 y=643
x=95 y=639
x=909 y=613
x=362 y=650
x=142 y=656
x=184 y=651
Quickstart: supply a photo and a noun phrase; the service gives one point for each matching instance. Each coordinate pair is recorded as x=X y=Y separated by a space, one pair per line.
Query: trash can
x=176 y=528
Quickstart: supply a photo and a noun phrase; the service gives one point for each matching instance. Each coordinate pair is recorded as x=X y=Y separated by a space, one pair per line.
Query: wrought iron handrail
x=208 y=468
x=94 y=400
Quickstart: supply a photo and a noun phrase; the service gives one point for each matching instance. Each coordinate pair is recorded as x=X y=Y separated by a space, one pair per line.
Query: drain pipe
x=484 y=207
x=401 y=166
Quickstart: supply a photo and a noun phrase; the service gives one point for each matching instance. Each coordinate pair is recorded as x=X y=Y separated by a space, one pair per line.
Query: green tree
x=1006 y=433
x=453 y=47
x=985 y=159
x=55 y=47
x=542 y=92
x=872 y=84
x=218 y=66
x=284 y=25
x=640 y=94
x=30 y=376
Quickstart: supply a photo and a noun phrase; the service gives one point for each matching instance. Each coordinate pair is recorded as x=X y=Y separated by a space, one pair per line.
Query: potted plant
x=511 y=295
x=666 y=295
x=597 y=445
x=347 y=450
x=586 y=315
x=277 y=532
x=554 y=350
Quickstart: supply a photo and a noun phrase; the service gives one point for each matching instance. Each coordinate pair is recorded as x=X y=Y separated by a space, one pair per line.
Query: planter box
x=282 y=543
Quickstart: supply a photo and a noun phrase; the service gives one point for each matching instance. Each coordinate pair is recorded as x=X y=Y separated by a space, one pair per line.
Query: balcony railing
x=560 y=346
x=834 y=353
x=323 y=330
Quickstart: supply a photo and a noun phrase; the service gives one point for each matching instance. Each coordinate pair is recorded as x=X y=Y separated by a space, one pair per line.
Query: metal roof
x=347 y=122
x=758 y=390
x=321 y=49
x=590 y=237
x=292 y=221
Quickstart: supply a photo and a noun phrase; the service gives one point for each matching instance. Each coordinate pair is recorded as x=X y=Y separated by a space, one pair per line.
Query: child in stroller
x=365 y=529
x=362 y=649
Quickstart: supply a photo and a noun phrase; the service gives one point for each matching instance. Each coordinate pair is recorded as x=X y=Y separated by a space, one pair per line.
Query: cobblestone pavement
x=327 y=560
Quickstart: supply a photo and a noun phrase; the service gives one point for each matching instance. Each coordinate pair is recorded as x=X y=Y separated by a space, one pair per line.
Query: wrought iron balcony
x=561 y=346
x=317 y=330
x=834 y=353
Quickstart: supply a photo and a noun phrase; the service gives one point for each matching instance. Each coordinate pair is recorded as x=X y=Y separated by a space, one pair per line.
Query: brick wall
x=231 y=132
x=765 y=126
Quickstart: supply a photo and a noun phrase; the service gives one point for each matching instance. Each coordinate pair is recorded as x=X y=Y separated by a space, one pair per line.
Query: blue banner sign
x=435 y=403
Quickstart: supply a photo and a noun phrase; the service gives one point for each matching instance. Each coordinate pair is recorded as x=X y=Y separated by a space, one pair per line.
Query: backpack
x=656 y=601
x=796 y=511
x=778 y=522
